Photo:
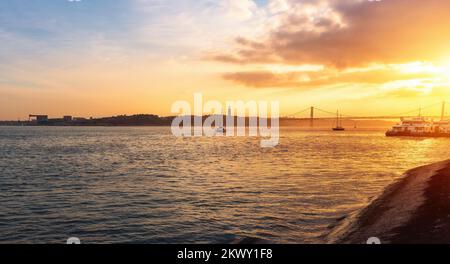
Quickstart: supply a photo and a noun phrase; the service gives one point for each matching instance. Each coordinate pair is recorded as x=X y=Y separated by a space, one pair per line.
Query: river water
x=143 y=185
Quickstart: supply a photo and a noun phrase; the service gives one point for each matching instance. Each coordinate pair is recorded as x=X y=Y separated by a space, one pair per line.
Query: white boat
x=221 y=130
x=420 y=127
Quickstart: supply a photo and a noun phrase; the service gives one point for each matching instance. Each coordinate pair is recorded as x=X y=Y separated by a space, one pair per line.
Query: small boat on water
x=338 y=129
x=221 y=130
x=338 y=126
x=420 y=127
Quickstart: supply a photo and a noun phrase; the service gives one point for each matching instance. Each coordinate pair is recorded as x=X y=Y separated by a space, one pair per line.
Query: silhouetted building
x=67 y=119
x=39 y=119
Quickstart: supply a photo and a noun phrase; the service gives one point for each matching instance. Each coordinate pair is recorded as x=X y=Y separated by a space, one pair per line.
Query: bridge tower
x=311 y=120
x=443 y=111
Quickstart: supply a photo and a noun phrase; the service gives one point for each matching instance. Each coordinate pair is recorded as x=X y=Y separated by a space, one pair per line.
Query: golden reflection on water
x=144 y=185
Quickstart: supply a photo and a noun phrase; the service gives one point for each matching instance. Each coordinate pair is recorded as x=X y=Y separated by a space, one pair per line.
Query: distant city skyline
x=110 y=57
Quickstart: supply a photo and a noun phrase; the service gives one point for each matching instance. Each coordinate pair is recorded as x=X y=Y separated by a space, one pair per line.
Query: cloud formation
x=351 y=33
x=326 y=77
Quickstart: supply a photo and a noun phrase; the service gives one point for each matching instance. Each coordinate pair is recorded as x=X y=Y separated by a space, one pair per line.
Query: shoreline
x=412 y=210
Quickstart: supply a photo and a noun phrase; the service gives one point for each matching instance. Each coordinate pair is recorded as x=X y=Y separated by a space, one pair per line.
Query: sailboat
x=338 y=126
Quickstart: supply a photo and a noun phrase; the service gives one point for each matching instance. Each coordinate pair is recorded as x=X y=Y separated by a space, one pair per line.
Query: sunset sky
x=110 y=57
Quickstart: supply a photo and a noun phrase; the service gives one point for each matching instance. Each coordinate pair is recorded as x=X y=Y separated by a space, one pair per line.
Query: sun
x=444 y=68
x=445 y=71
x=418 y=67
x=438 y=70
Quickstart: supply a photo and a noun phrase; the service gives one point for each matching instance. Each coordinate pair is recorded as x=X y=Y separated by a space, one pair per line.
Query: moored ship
x=420 y=127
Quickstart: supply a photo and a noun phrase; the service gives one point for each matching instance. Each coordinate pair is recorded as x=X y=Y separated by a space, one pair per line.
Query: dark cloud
x=263 y=79
x=249 y=52
x=388 y=31
x=305 y=80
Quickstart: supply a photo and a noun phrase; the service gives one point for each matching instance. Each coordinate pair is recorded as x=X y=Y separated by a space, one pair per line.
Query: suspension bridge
x=315 y=113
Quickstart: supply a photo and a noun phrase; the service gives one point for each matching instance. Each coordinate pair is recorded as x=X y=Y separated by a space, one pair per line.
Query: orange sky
x=90 y=58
